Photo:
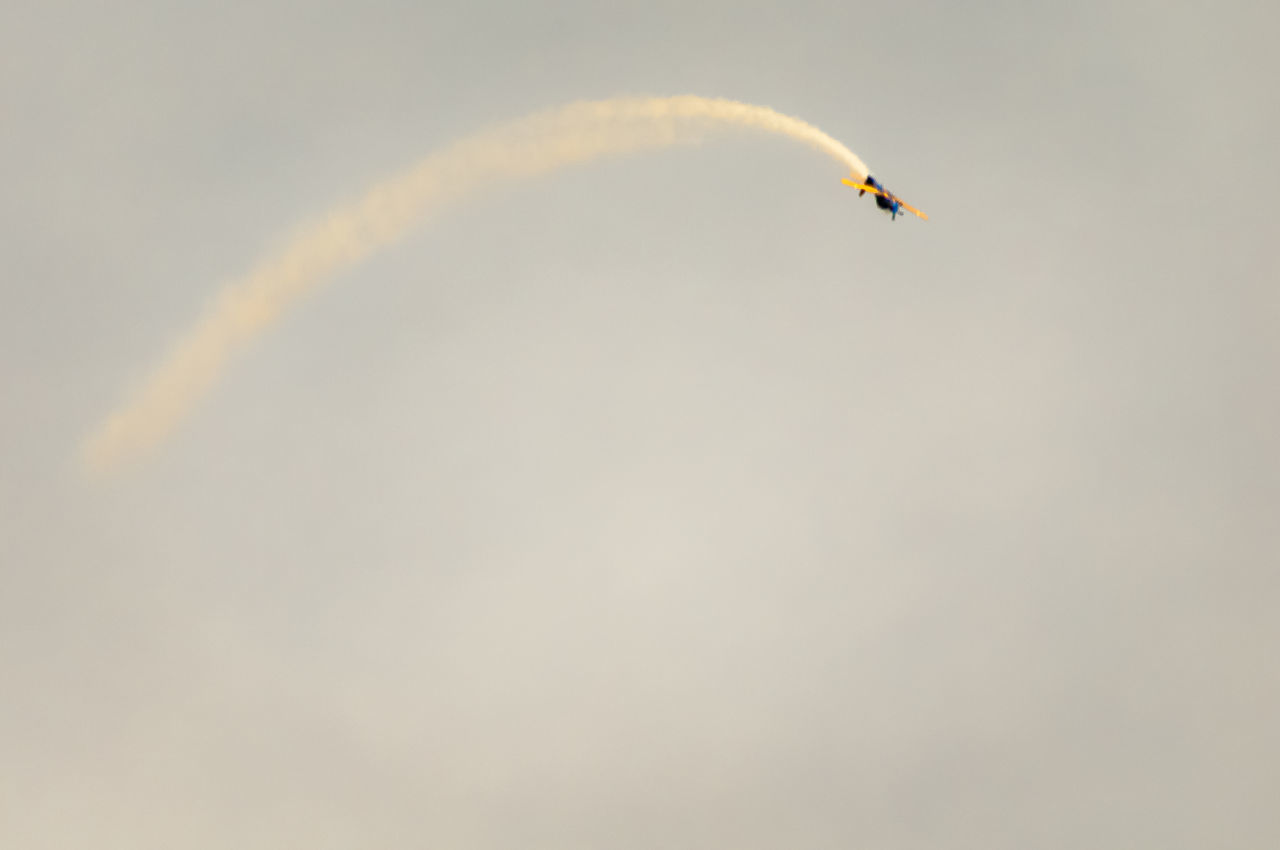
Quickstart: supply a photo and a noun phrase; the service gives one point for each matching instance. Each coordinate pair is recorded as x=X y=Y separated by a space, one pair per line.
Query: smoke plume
x=524 y=148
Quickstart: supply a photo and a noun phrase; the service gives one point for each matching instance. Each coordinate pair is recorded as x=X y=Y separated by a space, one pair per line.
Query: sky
x=678 y=499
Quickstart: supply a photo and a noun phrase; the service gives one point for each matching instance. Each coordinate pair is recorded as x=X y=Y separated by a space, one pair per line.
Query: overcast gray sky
x=679 y=500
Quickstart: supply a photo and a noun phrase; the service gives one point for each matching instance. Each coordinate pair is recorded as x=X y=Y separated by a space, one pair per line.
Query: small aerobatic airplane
x=885 y=199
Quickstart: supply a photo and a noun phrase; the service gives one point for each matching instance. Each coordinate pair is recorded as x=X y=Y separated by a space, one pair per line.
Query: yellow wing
x=873 y=190
x=863 y=186
x=910 y=208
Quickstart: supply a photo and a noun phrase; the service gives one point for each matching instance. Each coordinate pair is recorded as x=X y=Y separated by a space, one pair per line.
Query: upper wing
x=873 y=190
x=863 y=186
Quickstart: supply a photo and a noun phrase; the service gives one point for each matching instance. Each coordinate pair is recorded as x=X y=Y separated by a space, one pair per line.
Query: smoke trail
x=527 y=147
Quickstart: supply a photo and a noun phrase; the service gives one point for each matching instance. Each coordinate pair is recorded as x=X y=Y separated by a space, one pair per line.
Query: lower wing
x=912 y=209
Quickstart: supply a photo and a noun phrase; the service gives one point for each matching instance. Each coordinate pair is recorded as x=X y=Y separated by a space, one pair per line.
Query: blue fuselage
x=881 y=201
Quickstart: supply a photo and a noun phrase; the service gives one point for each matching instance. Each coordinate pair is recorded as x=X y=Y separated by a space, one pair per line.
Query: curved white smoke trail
x=524 y=148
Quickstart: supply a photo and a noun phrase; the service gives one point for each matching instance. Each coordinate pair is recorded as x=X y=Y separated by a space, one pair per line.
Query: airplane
x=885 y=199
